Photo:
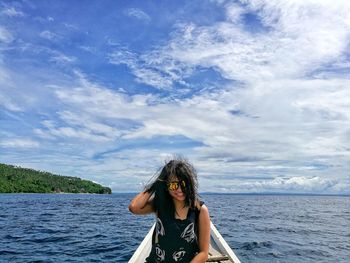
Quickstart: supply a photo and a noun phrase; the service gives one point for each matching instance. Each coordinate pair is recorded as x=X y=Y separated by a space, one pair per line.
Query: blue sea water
x=99 y=228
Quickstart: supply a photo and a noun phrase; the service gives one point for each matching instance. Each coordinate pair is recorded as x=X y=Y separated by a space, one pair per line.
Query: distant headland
x=14 y=179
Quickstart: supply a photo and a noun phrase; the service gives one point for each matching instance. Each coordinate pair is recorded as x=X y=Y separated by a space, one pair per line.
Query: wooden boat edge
x=222 y=244
x=142 y=248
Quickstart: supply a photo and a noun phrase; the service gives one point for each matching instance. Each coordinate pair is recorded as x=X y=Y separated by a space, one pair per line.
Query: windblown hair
x=183 y=170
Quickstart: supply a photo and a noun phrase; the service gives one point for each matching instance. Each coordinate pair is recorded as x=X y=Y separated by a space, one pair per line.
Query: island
x=14 y=179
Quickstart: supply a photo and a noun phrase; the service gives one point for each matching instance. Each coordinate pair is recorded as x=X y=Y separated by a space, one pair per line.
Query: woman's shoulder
x=202 y=212
x=200 y=205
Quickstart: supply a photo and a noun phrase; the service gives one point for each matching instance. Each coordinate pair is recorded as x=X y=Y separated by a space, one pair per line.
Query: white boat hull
x=219 y=250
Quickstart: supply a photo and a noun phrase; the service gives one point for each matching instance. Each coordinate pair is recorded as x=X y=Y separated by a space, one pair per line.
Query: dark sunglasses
x=173 y=186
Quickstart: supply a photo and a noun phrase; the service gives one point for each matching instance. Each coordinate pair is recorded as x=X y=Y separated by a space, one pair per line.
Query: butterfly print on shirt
x=188 y=234
x=159 y=229
x=160 y=254
x=178 y=255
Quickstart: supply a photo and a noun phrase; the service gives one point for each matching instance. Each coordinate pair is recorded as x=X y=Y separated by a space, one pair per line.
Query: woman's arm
x=204 y=236
x=141 y=204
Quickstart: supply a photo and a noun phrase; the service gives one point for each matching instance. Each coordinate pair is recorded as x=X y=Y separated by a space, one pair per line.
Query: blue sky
x=254 y=93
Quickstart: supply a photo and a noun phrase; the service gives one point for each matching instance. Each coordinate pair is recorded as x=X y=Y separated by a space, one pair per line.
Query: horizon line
x=257 y=193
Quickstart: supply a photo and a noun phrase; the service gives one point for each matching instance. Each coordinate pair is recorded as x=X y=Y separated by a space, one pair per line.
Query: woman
x=182 y=231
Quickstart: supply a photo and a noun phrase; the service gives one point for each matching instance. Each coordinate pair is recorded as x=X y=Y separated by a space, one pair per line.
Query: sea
x=99 y=228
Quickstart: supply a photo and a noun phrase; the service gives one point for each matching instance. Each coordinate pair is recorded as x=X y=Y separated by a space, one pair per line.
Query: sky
x=255 y=94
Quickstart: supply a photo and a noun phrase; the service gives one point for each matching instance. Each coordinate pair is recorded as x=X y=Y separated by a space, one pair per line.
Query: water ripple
x=98 y=228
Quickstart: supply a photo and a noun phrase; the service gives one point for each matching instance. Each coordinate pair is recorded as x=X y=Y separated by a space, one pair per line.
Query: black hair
x=183 y=170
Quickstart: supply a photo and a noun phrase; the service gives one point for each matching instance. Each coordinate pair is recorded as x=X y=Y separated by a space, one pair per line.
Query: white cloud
x=294 y=184
x=49 y=35
x=144 y=73
x=300 y=183
x=89 y=49
x=12 y=12
x=279 y=123
x=7 y=94
x=62 y=59
x=272 y=144
x=154 y=68
x=19 y=143
x=5 y=35
x=329 y=100
x=9 y=104
x=294 y=108
x=137 y=13
x=85 y=121
x=71 y=26
x=234 y=12
x=297 y=40
x=69 y=132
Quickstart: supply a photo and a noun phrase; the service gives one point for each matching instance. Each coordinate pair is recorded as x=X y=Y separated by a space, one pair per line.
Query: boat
x=219 y=250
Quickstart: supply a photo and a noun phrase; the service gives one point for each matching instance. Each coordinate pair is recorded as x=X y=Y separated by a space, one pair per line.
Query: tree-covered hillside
x=22 y=180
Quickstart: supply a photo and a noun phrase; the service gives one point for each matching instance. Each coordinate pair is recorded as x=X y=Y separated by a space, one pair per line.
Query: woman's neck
x=181 y=209
x=178 y=204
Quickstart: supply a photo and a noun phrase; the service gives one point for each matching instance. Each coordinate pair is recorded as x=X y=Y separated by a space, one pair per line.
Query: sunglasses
x=173 y=186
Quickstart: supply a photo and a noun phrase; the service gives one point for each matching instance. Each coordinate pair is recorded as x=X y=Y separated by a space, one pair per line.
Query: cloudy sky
x=256 y=94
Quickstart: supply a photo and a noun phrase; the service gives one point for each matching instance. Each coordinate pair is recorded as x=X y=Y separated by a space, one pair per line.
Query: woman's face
x=174 y=187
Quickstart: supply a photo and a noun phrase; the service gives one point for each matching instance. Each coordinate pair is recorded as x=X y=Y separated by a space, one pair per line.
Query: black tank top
x=175 y=240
